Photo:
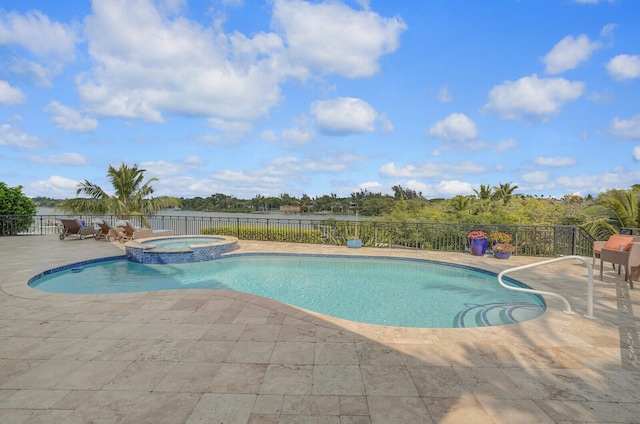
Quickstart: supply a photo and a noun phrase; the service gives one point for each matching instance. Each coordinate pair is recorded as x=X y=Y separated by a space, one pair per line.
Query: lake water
x=257 y=215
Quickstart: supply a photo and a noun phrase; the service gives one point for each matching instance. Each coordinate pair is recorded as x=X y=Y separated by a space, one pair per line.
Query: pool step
x=491 y=314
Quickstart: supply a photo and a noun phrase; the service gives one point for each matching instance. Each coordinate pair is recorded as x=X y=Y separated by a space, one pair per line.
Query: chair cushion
x=615 y=241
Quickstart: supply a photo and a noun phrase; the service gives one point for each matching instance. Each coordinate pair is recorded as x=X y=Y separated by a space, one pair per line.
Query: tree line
x=608 y=213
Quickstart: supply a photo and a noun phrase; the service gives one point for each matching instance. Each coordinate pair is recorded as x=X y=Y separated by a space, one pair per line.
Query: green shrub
x=264 y=233
x=19 y=206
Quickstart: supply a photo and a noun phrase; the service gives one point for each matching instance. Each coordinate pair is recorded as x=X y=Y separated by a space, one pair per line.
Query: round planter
x=354 y=243
x=502 y=254
x=478 y=247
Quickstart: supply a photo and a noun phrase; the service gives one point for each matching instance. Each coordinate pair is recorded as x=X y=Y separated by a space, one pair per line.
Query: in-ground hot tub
x=179 y=249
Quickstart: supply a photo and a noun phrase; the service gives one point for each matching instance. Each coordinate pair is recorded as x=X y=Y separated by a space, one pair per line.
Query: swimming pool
x=374 y=290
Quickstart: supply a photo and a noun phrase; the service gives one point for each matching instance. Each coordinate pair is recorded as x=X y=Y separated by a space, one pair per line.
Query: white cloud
x=454 y=188
x=147 y=63
x=431 y=170
x=10 y=95
x=55 y=187
x=296 y=137
x=193 y=161
x=162 y=169
x=607 y=30
x=505 y=145
x=236 y=127
x=536 y=177
x=455 y=127
x=269 y=136
x=280 y=175
x=35 y=72
x=624 y=67
x=569 y=53
x=371 y=186
x=344 y=115
x=69 y=119
x=618 y=177
x=533 y=97
x=626 y=128
x=636 y=153
x=52 y=43
x=444 y=96
x=16 y=138
x=386 y=126
x=604 y=97
x=554 y=161
x=35 y=32
x=444 y=188
x=333 y=38
x=62 y=159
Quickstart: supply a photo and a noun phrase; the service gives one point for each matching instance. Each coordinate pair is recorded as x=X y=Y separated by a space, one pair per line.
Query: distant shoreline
x=255 y=215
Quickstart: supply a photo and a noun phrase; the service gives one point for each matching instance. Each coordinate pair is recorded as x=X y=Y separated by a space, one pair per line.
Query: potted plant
x=355 y=240
x=500 y=237
x=477 y=242
x=503 y=250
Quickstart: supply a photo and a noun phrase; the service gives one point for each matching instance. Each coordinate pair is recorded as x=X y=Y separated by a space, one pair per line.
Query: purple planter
x=478 y=247
x=502 y=254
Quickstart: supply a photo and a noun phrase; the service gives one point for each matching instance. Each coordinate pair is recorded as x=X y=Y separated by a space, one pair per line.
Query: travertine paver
x=197 y=356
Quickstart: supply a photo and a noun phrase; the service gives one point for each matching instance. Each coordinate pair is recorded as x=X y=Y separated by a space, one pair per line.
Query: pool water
x=374 y=290
x=181 y=242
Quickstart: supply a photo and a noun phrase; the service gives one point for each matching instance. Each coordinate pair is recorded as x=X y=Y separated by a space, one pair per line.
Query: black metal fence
x=530 y=240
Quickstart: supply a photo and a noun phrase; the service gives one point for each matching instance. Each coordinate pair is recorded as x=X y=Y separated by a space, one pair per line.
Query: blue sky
x=248 y=97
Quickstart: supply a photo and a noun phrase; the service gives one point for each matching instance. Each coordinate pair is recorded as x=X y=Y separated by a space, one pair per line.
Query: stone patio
x=204 y=356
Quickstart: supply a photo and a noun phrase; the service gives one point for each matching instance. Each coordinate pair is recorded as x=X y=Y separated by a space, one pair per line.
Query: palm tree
x=131 y=195
x=504 y=192
x=612 y=211
x=484 y=193
x=460 y=203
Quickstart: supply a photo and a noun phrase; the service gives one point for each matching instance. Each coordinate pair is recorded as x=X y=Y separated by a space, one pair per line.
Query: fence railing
x=530 y=240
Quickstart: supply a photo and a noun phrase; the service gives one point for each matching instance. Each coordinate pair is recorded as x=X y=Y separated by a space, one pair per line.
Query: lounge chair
x=106 y=231
x=614 y=242
x=131 y=232
x=73 y=226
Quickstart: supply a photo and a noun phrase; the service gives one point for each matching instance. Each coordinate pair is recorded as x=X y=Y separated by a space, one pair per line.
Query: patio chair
x=106 y=231
x=628 y=256
x=131 y=232
x=73 y=226
x=614 y=242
